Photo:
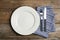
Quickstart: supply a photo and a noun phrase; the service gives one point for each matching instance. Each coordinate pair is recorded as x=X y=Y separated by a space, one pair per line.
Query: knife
x=45 y=19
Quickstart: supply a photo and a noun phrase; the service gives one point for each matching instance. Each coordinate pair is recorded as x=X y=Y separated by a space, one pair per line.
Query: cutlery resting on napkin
x=46 y=21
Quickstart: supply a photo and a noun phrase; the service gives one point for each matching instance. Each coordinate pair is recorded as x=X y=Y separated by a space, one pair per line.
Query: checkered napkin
x=49 y=21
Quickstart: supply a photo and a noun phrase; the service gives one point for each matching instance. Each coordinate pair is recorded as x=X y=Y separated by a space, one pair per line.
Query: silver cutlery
x=41 y=20
x=45 y=19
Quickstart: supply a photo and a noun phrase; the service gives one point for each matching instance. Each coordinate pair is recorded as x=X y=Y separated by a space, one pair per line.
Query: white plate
x=25 y=20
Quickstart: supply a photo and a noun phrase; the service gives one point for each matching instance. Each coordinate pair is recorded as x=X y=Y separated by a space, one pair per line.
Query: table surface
x=8 y=6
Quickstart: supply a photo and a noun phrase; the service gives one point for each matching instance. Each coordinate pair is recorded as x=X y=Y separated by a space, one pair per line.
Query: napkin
x=49 y=21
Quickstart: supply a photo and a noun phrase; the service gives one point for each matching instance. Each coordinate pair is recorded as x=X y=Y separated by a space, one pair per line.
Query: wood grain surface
x=8 y=6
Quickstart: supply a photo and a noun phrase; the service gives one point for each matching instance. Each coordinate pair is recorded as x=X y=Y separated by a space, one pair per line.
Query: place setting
x=26 y=20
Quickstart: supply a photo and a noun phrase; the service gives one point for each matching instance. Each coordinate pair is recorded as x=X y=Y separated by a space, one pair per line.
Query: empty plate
x=25 y=20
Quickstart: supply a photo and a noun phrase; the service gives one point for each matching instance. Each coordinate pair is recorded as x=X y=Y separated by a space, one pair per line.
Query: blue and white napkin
x=49 y=21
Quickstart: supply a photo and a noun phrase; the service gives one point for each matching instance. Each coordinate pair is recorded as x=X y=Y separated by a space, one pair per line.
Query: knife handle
x=45 y=25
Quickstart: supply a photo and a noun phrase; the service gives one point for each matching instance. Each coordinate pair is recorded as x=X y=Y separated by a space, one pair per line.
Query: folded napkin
x=49 y=21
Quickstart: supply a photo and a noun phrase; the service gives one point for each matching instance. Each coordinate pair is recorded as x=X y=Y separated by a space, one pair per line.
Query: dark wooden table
x=8 y=6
